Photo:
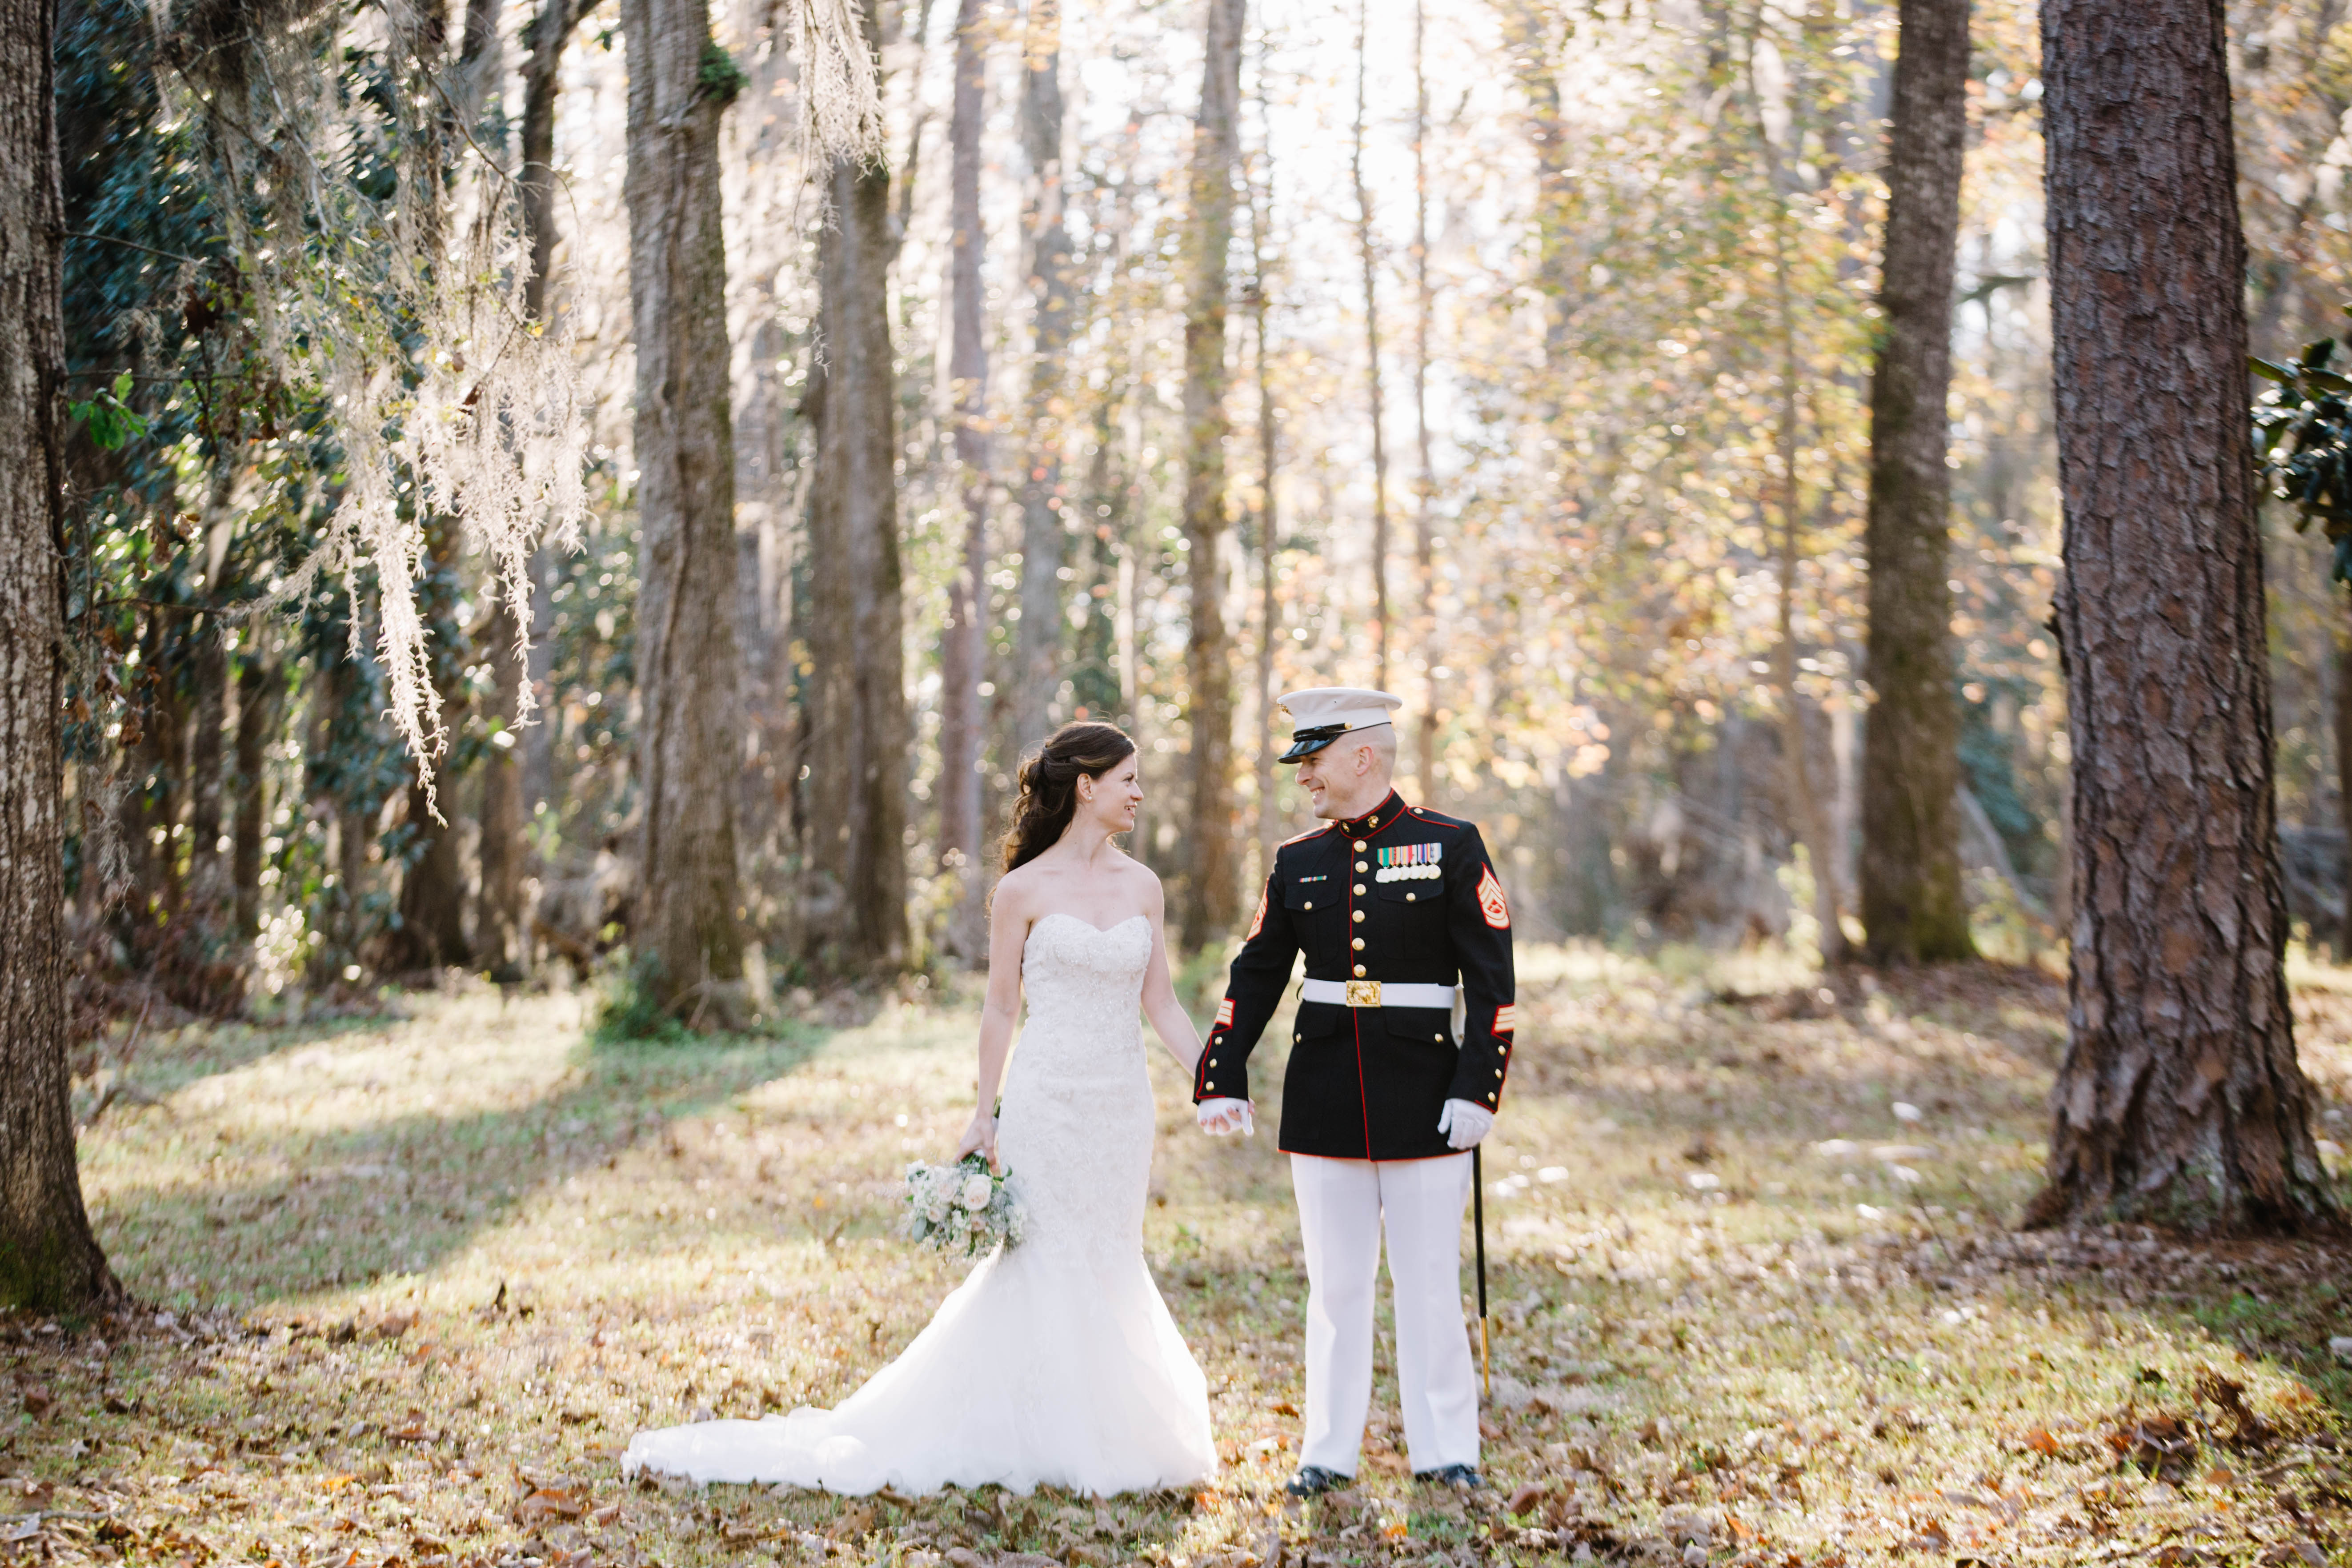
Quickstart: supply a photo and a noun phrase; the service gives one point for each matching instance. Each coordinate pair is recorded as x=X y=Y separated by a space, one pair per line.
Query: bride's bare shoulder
x=1016 y=892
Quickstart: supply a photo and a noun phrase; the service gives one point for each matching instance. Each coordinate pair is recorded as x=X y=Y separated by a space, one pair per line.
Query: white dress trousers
x=1343 y=1205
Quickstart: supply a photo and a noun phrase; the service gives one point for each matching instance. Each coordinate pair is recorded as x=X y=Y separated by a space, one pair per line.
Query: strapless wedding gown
x=1055 y=1364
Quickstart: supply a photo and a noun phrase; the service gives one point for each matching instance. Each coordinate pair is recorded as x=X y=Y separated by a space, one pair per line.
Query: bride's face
x=1111 y=798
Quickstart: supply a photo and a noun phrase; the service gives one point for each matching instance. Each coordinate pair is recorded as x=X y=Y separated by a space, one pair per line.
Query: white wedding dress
x=1055 y=1364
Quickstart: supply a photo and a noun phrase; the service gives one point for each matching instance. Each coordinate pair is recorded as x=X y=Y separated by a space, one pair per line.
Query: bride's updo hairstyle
x=1049 y=784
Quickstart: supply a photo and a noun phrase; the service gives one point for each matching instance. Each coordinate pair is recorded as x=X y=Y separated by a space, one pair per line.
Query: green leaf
x=2265 y=369
x=2327 y=380
x=2316 y=355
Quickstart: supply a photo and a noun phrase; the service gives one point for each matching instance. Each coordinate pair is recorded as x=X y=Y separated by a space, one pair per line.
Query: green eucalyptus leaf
x=2265 y=369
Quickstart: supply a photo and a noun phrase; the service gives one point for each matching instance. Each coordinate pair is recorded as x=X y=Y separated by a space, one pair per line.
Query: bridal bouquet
x=964 y=1208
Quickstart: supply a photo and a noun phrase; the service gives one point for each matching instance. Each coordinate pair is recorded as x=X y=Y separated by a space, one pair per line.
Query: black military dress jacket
x=1398 y=894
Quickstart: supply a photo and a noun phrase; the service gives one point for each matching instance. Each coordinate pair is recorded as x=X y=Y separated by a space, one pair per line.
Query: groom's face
x=1331 y=777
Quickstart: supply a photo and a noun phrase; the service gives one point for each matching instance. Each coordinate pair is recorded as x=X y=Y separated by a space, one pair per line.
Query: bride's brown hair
x=1049 y=784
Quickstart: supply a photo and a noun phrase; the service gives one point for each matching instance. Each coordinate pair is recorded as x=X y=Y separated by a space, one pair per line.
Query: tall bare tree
x=1210 y=886
x=855 y=741
x=1425 y=495
x=1044 y=530
x=964 y=641
x=1269 y=514
x=48 y=1259
x=1368 y=254
x=2179 y=1100
x=689 y=751
x=1912 y=905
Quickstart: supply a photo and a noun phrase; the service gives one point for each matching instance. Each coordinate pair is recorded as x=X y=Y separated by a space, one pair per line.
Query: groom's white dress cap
x=1321 y=714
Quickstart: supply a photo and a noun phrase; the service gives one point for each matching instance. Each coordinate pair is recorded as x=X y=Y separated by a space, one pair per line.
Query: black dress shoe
x=1313 y=1480
x=1464 y=1477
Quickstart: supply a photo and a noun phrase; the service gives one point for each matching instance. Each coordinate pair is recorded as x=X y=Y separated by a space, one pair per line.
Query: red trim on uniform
x=1507 y=1018
x=1491 y=902
x=1224 y=1012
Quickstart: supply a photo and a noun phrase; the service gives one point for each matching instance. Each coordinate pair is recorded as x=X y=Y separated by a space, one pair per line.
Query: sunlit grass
x=1752 y=1295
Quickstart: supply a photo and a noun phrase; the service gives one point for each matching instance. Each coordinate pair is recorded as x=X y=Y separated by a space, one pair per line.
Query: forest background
x=1535 y=311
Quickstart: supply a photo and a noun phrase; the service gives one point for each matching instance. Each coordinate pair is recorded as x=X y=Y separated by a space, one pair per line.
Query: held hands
x=1463 y=1122
x=1219 y=1117
x=978 y=1137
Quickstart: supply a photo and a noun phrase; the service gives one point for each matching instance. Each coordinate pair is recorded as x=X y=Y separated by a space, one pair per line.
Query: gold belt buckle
x=1364 y=993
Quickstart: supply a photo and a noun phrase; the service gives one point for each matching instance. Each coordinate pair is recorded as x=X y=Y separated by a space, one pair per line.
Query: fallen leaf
x=856 y=1520
x=1525 y=1497
x=38 y=1401
x=548 y=1503
x=2041 y=1441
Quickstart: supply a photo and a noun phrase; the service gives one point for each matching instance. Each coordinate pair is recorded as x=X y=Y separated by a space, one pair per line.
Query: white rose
x=977 y=1190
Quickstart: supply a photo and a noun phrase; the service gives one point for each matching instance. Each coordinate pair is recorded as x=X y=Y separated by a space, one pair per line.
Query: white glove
x=1219 y=1117
x=1465 y=1124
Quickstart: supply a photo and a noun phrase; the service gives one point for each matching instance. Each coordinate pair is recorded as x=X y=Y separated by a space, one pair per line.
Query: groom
x=1381 y=1104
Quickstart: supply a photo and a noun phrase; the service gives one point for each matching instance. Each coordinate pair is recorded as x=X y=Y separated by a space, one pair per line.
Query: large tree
x=1052 y=311
x=1912 y=906
x=2179 y=1100
x=854 y=816
x=48 y=1259
x=690 y=748
x=963 y=643
x=1211 y=885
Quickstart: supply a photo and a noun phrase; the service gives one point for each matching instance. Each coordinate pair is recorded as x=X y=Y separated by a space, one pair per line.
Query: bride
x=1055 y=1363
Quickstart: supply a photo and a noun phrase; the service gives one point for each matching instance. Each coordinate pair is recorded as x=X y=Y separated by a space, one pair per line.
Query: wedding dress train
x=1055 y=1364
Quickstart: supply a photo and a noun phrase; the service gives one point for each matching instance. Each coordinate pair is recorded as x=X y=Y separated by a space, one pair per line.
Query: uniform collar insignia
x=1372 y=821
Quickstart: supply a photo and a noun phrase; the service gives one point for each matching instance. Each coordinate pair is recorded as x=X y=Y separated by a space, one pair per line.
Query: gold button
x=1359 y=845
x=1213 y=1061
x=1359 y=945
x=1407 y=898
x=1360 y=866
x=1360 y=914
x=1310 y=903
x=1359 y=887
x=1439 y=1038
x=1498 y=1071
x=1360 y=971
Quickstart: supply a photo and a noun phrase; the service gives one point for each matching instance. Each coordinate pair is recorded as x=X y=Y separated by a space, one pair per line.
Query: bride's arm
x=1169 y=1019
x=1008 y=934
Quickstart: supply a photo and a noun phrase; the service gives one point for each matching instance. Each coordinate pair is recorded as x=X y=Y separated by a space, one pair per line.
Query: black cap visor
x=1305 y=743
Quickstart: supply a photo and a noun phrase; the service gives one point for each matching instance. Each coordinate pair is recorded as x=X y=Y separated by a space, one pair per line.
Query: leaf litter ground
x=411 y=1282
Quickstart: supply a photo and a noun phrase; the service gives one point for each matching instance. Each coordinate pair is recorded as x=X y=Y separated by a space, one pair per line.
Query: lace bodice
x=1085 y=986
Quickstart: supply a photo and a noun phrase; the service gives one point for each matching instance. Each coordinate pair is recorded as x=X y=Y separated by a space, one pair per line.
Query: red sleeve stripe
x=1506 y=1018
x=1224 y=1012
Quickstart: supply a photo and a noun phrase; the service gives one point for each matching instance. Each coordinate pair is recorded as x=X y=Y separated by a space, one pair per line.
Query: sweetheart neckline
x=1098 y=930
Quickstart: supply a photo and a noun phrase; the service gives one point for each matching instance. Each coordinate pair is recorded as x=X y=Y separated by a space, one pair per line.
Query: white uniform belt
x=1378 y=994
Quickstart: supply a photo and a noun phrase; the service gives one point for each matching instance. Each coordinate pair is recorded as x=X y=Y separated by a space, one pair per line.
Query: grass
x=412 y=1281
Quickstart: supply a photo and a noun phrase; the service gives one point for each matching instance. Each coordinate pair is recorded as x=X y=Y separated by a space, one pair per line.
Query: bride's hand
x=978 y=1138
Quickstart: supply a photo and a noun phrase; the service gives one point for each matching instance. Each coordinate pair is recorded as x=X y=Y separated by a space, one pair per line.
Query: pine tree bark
x=1045 y=533
x=686 y=933
x=50 y=1261
x=855 y=744
x=1913 y=909
x=1424 y=518
x=2179 y=1101
x=963 y=639
x=1210 y=886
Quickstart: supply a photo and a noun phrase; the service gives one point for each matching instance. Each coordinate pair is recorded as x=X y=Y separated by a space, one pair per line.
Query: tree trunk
x=549 y=32
x=1045 y=532
x=1367 y=252
x=2179 y=1101
x=1424 y=521
x=1269 y=515
x=2342 y=647
x=499 y=930
x=1912 y=906
x=857 y=739
x=1211 y=895
x=259 y=689
x=964 y=643
x=431 y=931
x=49 y=1259
x=684 y=931
x=208 y=670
